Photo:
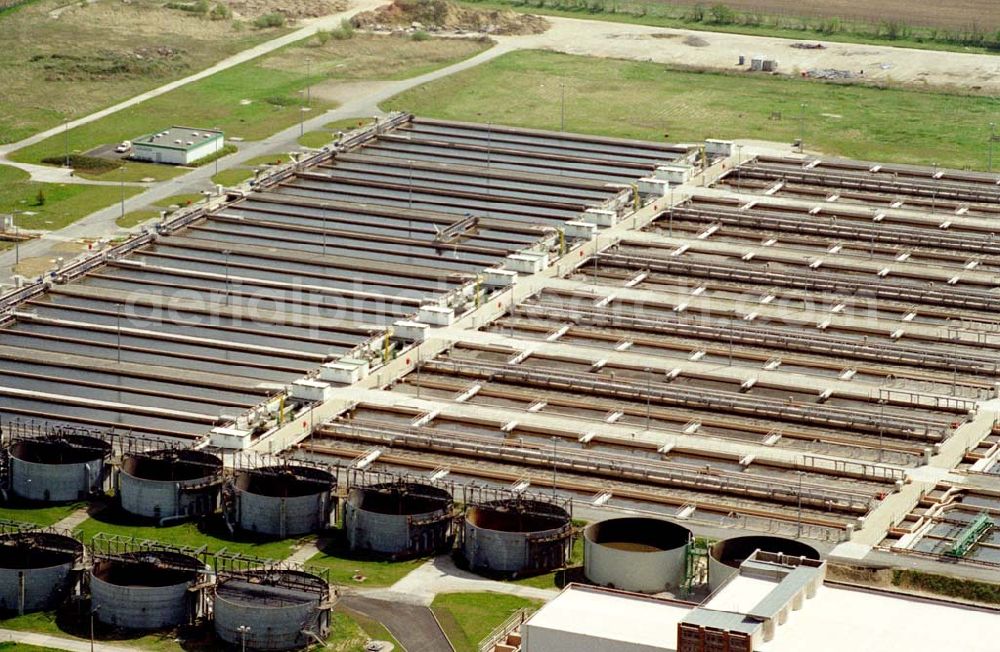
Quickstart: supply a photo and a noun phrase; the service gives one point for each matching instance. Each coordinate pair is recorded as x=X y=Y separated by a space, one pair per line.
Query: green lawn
x=343 y=565
x=682 y=15
x=136 y=218
x=232 y=176
x=9 y=646
x=644 y=100
x=347 y=124
x=212 y=534
x=467 y=618
x=67 y=626
x=349 y=631
x=315 y=139
x=267 y=159
x=180 y=200
x=34 y=513
x=64 y=203
x=134 y=171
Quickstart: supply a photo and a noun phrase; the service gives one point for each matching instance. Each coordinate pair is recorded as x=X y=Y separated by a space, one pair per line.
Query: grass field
x=964 y=25
x=64 y=203
x=232 y=176
x=644 y=100
x=467 y=618
x=212 y=534
x=30 y=513
x=9 y=646
x=315 y=139
x=94 y=56
x=343 y=565
x=136 y=218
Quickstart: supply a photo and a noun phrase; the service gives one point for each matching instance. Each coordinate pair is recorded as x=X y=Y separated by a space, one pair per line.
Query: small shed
x=178 y=145
x=763 y=63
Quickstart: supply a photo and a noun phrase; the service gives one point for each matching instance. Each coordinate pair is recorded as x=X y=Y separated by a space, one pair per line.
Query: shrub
x=420 y=35
x=220 y=12
x=40 y=198
x=722 y=15
x=322 y=37
x=344 y=32
x=273 y=19
x=90 y=164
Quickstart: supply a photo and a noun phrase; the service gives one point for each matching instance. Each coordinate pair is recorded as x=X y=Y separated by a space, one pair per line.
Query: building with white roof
x=774 y=604
x=178 y=145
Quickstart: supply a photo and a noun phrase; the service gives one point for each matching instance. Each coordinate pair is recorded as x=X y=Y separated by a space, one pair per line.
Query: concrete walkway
x=440 y=575
x=60 y=643
x=74 y=520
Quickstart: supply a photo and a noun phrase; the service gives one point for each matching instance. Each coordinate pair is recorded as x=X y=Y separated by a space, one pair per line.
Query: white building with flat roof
x=773 y=604
x=178 y=145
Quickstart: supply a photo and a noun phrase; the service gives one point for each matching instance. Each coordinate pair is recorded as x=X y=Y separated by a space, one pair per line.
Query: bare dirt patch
x=954 y=14
x=434 y=15
x=291 y=9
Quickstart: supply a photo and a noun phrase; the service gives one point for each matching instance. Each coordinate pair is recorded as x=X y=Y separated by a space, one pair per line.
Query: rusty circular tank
x=646 y=555
x=58 y=468
x=725 y=557
x=170 y=483
x=283 y=609
x=516 y=536
x=37 y=570
x=147 y=590
x=398 y=519
x=286 y=500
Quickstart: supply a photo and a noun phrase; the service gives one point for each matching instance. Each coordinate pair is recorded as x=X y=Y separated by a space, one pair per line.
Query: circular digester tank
x=284 y=501
x=646 y=555
x=58 y=468
x=283 y=609
x=725 y=557
x=516 y=536
x=147 y=590
x=398 y=519
x=167 y=483
x=37 y=570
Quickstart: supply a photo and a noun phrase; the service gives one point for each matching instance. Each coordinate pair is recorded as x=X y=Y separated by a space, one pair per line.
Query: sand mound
x=440 y=15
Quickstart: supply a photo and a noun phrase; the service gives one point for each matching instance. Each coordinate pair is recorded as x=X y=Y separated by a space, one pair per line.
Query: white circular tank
x=646 y=555
x=725 y=557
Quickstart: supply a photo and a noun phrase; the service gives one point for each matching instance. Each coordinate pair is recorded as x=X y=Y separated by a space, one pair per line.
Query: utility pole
x=308 y=81
x=66 y=132
x=802 y=126
x=122 y=178
x=993 y=138
x=562 y=106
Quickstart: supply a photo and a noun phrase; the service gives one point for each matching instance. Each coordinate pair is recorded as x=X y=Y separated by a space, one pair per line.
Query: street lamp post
x=802 y=126
x=93 y=612
x=243 y=630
